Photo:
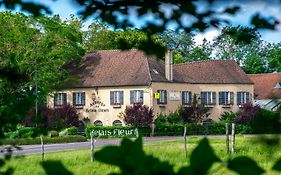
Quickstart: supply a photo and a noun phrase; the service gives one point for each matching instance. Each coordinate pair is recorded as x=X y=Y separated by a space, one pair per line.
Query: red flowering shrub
x=53 y=119
x=138 y=115
x=247 y=114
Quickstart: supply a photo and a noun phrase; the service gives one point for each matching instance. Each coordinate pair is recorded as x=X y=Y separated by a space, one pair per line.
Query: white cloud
x=208 y=35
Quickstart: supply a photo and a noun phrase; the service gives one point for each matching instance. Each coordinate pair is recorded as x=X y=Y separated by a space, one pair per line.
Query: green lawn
x=78 y=161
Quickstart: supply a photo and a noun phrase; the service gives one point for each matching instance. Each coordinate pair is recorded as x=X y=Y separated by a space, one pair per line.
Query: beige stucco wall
x=215 y=111
x=109 y=113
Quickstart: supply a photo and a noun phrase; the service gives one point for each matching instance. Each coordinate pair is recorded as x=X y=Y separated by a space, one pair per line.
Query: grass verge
x=78 y=161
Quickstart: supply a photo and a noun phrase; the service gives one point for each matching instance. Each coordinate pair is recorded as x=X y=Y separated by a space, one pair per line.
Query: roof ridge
x=147 y=64
x=112 y=50
x=201 y=61
x=271 y=73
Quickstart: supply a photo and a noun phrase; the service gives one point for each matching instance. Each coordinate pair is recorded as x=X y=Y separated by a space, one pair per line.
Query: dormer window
x=278 y=85
x=155 y=71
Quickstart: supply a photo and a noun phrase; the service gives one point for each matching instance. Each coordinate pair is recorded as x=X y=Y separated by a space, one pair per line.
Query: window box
x=162 y=105
x=209 y=105
x=79 y=106
x=116 y=105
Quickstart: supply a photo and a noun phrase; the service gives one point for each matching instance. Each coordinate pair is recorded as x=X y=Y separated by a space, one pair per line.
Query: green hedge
x=23 y=132
x=115 y=131
x=47 y=140
x=198 y=129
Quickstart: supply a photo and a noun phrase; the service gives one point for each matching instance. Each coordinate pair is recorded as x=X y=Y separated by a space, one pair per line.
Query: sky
x=267 y=7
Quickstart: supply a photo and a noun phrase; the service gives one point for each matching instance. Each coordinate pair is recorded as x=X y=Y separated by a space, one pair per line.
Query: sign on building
x=174 y=96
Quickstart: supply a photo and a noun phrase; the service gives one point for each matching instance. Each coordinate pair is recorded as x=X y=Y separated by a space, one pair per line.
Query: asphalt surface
x=33 y=149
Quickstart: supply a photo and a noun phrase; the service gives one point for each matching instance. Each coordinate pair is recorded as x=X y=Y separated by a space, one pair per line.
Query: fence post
x=42 y=148
x=185 y=146
x=227 y=138
x=92 y=145
x=232 y=138
x=137 y=133
x=152 y=129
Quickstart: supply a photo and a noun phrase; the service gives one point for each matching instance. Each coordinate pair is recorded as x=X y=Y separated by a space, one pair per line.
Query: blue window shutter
x=231 y=98
x=239 y=98
x=55 y=99
x=165 y=97
x=141 y=96
x=121 y=97
x=83 y=98
x=203 y=98
x=131 y=97
x=64 y=98
x=111 y=97
x=182 y=97
x=214 y=97
x=190 y=98
x=220 y=98
x=73 y=98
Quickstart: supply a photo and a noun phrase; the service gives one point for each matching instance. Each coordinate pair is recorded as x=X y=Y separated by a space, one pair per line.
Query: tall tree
x=274 y=57
x=33 y=50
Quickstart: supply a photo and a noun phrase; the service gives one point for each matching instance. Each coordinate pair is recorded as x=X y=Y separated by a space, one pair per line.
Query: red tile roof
x=213 y=72
x=134 y=67
x=264 y=85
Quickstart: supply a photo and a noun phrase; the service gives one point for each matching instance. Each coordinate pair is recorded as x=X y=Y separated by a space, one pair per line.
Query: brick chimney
x=169 y=65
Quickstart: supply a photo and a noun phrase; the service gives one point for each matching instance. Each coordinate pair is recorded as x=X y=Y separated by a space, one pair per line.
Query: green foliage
x=266 y=122
x=53 y=133
x=55 y=167
x=132 y=160
x=228 y=117
x=201 y=159
x=27 y=44
x=23 y=132
x=244 y=166
x=47 y=140
x=69 y=131
x=173 y=117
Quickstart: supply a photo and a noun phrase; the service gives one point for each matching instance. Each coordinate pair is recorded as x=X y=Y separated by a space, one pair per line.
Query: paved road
x=32 y=149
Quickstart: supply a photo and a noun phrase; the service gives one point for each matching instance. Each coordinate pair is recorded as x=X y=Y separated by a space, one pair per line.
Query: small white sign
x=174 y=96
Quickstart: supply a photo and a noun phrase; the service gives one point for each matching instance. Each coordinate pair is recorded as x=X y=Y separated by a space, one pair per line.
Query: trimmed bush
x=69 y=131
x=47 y=140
x=23 y=132
x=198 y=129
x=116 y=131
x=53 y=134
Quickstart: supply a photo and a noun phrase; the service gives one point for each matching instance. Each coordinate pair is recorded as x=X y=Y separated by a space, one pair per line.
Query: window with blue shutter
x=208 y=98
x=243 y=97
x=226 y=98
x=116 y=97
x=60 y=99
x=186 y=97
x=163 y=97
x=78 y=98
x=136 y=96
